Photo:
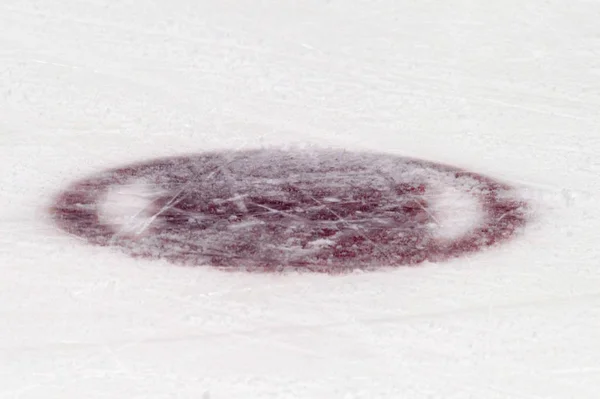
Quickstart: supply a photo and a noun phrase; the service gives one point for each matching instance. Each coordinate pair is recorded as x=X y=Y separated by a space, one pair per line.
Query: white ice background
x=507 y=88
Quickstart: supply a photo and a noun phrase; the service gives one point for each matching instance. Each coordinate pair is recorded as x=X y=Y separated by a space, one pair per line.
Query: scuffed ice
x=271 y=210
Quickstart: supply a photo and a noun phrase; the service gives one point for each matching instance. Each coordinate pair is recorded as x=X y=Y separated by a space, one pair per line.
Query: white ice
x=507 y=88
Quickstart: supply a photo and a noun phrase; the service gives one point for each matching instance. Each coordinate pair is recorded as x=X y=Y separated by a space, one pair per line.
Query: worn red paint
x=273 y=210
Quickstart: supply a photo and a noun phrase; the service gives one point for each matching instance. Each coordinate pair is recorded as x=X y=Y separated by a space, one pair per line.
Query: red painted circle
x=271 y=210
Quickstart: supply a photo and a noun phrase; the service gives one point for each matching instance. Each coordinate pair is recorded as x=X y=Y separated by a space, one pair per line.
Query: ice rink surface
x=506 y=88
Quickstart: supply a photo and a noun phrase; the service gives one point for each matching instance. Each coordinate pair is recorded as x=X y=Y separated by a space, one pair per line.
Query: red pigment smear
x=274 y=210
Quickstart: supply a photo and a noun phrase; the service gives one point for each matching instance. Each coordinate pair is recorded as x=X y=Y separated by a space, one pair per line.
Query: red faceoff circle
x=275 y=210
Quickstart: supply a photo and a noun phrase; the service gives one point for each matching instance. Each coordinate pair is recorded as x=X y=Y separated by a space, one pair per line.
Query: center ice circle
x=271 y=210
